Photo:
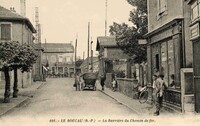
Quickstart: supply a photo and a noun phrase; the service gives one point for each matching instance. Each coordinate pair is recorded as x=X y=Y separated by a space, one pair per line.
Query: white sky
x=62 y=19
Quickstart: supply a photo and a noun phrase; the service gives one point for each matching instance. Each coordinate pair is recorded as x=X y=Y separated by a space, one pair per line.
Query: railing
x=173 y=97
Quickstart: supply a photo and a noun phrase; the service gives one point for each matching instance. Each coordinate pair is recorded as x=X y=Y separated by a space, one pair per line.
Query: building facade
x=14 y=27
x=111 y=58
x=59 y=58
x=169 y=50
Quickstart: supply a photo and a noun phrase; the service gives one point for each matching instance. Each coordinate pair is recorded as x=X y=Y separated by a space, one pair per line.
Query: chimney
x=23 y=8
x=12 y=9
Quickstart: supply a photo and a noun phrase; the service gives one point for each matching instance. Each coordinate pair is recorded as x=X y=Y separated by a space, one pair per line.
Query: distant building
x=92 y=67
x=111 y=58
x=58 y=58
x=14 y=27
x=110 y=54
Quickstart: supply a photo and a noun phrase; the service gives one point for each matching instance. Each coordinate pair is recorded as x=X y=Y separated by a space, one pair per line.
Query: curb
x=25 y=101
x=15 y=106
x=138 y=113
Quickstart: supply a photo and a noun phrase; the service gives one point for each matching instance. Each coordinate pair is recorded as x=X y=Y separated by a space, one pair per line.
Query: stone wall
x=126 y=86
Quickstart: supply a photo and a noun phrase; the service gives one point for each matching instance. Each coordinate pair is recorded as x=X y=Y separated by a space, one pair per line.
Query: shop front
x=165 y=55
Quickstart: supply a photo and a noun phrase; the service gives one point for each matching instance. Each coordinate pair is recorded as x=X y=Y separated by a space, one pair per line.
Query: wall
x=22 y=34
x=116 y=53
x=174 y=9
x=188 y=43
x=127 y=87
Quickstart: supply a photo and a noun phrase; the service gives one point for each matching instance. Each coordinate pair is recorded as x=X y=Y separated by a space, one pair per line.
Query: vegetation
x=127 y=36
x=15 y=56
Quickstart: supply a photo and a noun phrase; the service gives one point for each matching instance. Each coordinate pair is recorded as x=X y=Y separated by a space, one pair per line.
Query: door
x=187 y=90
x=196 y=53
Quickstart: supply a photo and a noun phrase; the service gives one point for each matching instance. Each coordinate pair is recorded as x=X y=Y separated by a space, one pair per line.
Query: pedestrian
x=154 y=77
x=172 y=84
x=159 y=89
x=103 y=78
x=114 y=85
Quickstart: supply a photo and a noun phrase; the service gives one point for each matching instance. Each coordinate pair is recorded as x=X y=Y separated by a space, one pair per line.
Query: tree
x=15 y=56
x=23 y=60
x=127 y=37
x=8 y=51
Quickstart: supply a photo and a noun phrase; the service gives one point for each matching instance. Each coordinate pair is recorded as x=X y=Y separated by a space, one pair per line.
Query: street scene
x=58 y=98
x=99 y=62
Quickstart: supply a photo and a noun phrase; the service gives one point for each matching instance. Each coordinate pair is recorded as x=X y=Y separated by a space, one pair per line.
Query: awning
x=44 y=68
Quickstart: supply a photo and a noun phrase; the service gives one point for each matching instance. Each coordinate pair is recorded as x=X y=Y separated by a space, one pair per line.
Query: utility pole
x=83 y=55
x=88 y=46
x=38 y=43
x=106 y=5
x=75 y=55
x=91 y=57
x=75 y=74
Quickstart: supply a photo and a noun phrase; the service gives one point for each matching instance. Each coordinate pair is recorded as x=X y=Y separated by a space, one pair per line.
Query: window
x=171 y=60
x=157 y=63
x=5 y=31
x=195 y=7
x=164 y=61
x=68 y=59
x=53 y=59
x=60 y=58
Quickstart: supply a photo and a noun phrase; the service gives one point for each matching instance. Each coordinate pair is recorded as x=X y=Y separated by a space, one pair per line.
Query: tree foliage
x=8 y=52
x=127 y=36
x=15 y=56
x=79 y=62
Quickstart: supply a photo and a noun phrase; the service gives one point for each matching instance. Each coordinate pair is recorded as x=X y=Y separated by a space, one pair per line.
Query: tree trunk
x=7 y=85
x=15 y=87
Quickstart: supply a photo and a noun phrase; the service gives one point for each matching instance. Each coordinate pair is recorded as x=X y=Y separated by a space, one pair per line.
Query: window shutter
x=5 y=32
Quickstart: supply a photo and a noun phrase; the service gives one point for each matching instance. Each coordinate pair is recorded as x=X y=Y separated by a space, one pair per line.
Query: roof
x=7 y=15
x=106 y=41
x=95 y=59
x=58 y=47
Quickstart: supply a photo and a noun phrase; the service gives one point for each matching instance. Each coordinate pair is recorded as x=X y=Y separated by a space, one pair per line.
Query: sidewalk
x=23 y=96
x=133 y=104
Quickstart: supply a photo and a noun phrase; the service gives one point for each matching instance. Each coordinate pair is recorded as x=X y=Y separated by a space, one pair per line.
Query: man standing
x=159 y=89
x=103 y=78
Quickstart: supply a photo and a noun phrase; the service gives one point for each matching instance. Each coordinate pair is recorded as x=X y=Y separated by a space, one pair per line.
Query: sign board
x=194 y=31
x=142 y=41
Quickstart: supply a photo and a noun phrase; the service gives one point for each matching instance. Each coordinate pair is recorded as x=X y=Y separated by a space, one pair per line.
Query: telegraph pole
x=75 y=74
x=75 y=54
x=88 y=46
x=91 y=57
x=106 y=5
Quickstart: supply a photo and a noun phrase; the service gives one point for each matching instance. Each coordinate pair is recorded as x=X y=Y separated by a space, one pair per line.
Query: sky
x=64 y=20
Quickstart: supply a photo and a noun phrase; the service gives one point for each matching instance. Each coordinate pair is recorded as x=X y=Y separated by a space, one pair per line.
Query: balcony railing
x=173 y=97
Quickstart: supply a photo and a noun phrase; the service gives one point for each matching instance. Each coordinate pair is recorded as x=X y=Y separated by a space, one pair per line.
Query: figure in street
x=114 y=85
x=159 y=89
x=154 y=89
x=103 y=78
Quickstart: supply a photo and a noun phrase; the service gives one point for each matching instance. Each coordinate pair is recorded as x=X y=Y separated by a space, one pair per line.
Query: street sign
x=142 y=41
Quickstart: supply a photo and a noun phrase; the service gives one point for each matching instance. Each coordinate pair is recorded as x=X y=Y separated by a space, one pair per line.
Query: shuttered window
x=5 y=31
